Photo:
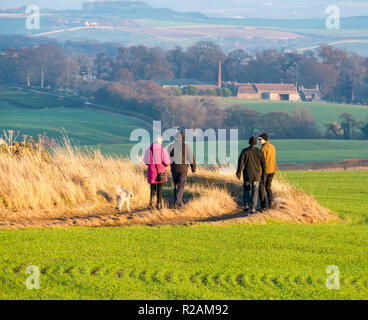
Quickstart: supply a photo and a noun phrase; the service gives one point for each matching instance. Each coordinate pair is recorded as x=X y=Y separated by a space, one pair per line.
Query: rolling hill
x=35 y=113
x=133 y=23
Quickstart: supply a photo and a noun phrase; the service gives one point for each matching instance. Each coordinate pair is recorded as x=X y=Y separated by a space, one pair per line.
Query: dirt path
x=284 y=212
x=145 y=217
x=292 y=206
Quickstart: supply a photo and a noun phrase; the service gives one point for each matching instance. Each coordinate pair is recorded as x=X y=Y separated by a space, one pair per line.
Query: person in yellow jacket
x=265 y=187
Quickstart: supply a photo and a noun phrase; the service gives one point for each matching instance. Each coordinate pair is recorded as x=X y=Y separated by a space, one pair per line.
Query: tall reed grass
x=81 y=182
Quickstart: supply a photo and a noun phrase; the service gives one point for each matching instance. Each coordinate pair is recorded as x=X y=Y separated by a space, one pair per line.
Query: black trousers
x=156 y=188
x=179 y=180
x=266 y=189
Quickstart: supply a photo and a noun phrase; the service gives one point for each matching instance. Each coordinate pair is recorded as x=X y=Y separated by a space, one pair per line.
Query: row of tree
x=341 y=75
x=45 y=65
x=148 y=98
x=347 y=128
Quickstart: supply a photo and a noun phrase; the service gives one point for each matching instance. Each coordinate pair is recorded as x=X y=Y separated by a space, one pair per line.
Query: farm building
x=268 y=91
x=247 y=91
x=310 y=94
x=277 y=91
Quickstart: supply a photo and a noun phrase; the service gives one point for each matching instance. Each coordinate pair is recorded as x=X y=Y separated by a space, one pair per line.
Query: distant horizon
x=253 y=9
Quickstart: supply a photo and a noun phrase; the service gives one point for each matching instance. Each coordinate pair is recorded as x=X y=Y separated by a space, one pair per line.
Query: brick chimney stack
x=219 y=76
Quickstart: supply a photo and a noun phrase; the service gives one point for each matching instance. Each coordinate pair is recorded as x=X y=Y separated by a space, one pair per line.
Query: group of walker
x=258 y=167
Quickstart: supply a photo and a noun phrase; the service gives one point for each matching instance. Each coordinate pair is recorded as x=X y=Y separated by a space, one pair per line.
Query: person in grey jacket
x=181 y=156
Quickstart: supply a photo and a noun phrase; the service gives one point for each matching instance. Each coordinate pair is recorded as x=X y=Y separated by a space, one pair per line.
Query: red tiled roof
x=275 y=87
x=246 y=89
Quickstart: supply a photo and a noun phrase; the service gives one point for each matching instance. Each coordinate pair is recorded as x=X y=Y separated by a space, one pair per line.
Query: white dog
x=122 y=196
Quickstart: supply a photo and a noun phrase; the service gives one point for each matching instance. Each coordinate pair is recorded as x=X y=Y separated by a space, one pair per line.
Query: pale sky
x=228 y=8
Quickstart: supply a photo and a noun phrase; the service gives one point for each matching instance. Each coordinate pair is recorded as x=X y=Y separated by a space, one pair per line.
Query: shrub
x=210 y=92
x=191 y=91
x=277 y=124
x=303 y=125
x=226 y=92
x=246 y=120
x=219 y=92
x=176 y=91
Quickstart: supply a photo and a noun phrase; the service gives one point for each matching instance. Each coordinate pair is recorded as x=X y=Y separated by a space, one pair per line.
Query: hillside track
x=114 y=218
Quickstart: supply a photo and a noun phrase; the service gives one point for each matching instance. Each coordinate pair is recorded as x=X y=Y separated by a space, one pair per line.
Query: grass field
x=41 y=100
x=273 y=261
x=42 y=113
x=323 y=112
x=343 y=192
x=82 y=125
x=200 y=261
x=288 y=151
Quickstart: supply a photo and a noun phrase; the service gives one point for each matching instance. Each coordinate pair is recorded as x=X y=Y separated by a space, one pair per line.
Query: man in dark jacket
x=250 y=162
x=181 y=157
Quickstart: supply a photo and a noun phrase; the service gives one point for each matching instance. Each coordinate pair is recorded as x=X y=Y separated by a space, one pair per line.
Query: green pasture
x=344 y=192
x=273 y=261
x=40 y=100
x=288 y=151
x=32 y=114
x=83 y=126
x=323 y=112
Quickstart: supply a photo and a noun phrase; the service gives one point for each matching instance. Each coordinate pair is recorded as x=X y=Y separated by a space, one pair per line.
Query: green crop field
x=288 y=151
x=343 y=192
x=301 y=151
x=84 y=126
x=273 y=261
x=323 y=112
x=58 y=116
x=200 y=261
x=40 y=100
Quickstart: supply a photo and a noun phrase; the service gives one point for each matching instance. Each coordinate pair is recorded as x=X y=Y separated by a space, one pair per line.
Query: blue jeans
x=251 y=194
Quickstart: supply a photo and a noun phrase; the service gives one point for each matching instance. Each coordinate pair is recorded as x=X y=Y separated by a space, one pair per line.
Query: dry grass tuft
x=72 y=182
x=76 y=187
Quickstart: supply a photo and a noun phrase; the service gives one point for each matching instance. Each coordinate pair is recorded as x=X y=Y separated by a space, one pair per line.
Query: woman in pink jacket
x=157 y=159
